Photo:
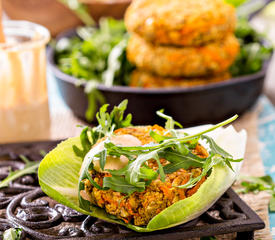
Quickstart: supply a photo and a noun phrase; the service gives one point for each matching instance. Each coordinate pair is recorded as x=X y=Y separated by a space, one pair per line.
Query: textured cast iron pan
x=190 y=106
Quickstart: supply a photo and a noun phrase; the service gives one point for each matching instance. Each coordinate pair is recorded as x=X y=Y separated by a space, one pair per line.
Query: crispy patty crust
x=171 y=61
x=140 y=207
x=181 y=22
x=147 y=80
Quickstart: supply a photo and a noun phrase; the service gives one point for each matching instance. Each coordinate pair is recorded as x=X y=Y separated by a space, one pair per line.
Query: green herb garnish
x=96 y=56
x=108 y=122
x=29 y=168
x=254 y=49
x=176 y=148
x=258 y=184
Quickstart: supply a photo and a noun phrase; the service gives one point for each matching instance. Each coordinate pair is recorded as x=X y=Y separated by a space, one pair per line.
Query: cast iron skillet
x=190 y=106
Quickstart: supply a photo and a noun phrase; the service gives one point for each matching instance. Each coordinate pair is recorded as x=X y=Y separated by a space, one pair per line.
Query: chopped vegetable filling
x=141 y=207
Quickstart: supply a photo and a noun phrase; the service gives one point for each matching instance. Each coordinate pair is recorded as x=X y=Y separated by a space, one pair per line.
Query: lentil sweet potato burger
x=169 y=61
x=181 y=22
x=145 y=79
x=143 y=177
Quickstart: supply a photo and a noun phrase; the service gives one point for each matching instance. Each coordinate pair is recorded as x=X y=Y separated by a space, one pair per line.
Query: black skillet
x=190 y=106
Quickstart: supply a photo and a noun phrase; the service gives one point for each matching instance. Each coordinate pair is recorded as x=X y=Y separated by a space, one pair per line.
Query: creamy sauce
x=24 y=112
x=25 y=123
x=115 y=163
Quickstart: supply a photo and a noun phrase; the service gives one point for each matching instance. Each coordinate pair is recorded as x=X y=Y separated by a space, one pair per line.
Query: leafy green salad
x=96 y=55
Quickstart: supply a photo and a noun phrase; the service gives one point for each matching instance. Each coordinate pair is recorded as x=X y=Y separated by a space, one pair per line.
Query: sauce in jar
x=24 y=112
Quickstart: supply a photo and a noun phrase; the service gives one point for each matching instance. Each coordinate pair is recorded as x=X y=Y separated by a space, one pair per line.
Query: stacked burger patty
x=180 y=42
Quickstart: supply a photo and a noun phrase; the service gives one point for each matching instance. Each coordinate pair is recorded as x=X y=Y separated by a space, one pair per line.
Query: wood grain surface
x=58 y=18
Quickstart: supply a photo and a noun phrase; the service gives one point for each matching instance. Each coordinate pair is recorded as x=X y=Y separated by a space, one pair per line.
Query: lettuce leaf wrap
x=59 y=174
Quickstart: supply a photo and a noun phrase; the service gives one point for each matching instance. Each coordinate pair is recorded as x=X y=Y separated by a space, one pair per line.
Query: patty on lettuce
x=140 y=207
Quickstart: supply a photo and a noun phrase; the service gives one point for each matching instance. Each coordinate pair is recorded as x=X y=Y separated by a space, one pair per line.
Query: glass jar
x=24 y=111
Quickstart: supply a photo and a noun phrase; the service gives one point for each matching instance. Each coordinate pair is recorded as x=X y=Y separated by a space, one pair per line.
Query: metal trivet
x=24 y=205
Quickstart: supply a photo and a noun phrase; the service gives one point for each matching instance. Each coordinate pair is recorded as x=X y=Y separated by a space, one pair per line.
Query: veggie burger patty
x=171 y=61
x=141 y=207
x=147 y=80
x=181 y=22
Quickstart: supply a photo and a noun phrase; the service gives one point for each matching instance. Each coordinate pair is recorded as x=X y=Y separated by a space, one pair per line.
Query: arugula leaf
x=214 y=148
x=88 y=175
x=114 y=63
x=119 y=172
x=12 y=234
x=266 y=179
x=209 y=163
x=95 y=98
x=147 y=173
x=29 y=168
x=118 y=113
x=132 y=175
x=114 y=120
x=258 y=184
x=255 y=49
x=119 y=184
x=85 y=143
x=106 y=124
x=182 y=148
x=170 y=123
x=42 y=153
x=157 y=137
x=102 y=158
x=178 y=161
x=103 y=119
x=160 y=170
x=114 y=151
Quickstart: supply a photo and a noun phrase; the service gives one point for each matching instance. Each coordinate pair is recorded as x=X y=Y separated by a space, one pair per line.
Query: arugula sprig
x=107 y=123
x=184 y=139
x=255 y=49
x=170 y=122
x=97 y=55
x=29 y=168
x=258 y=184
x=175 y=148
